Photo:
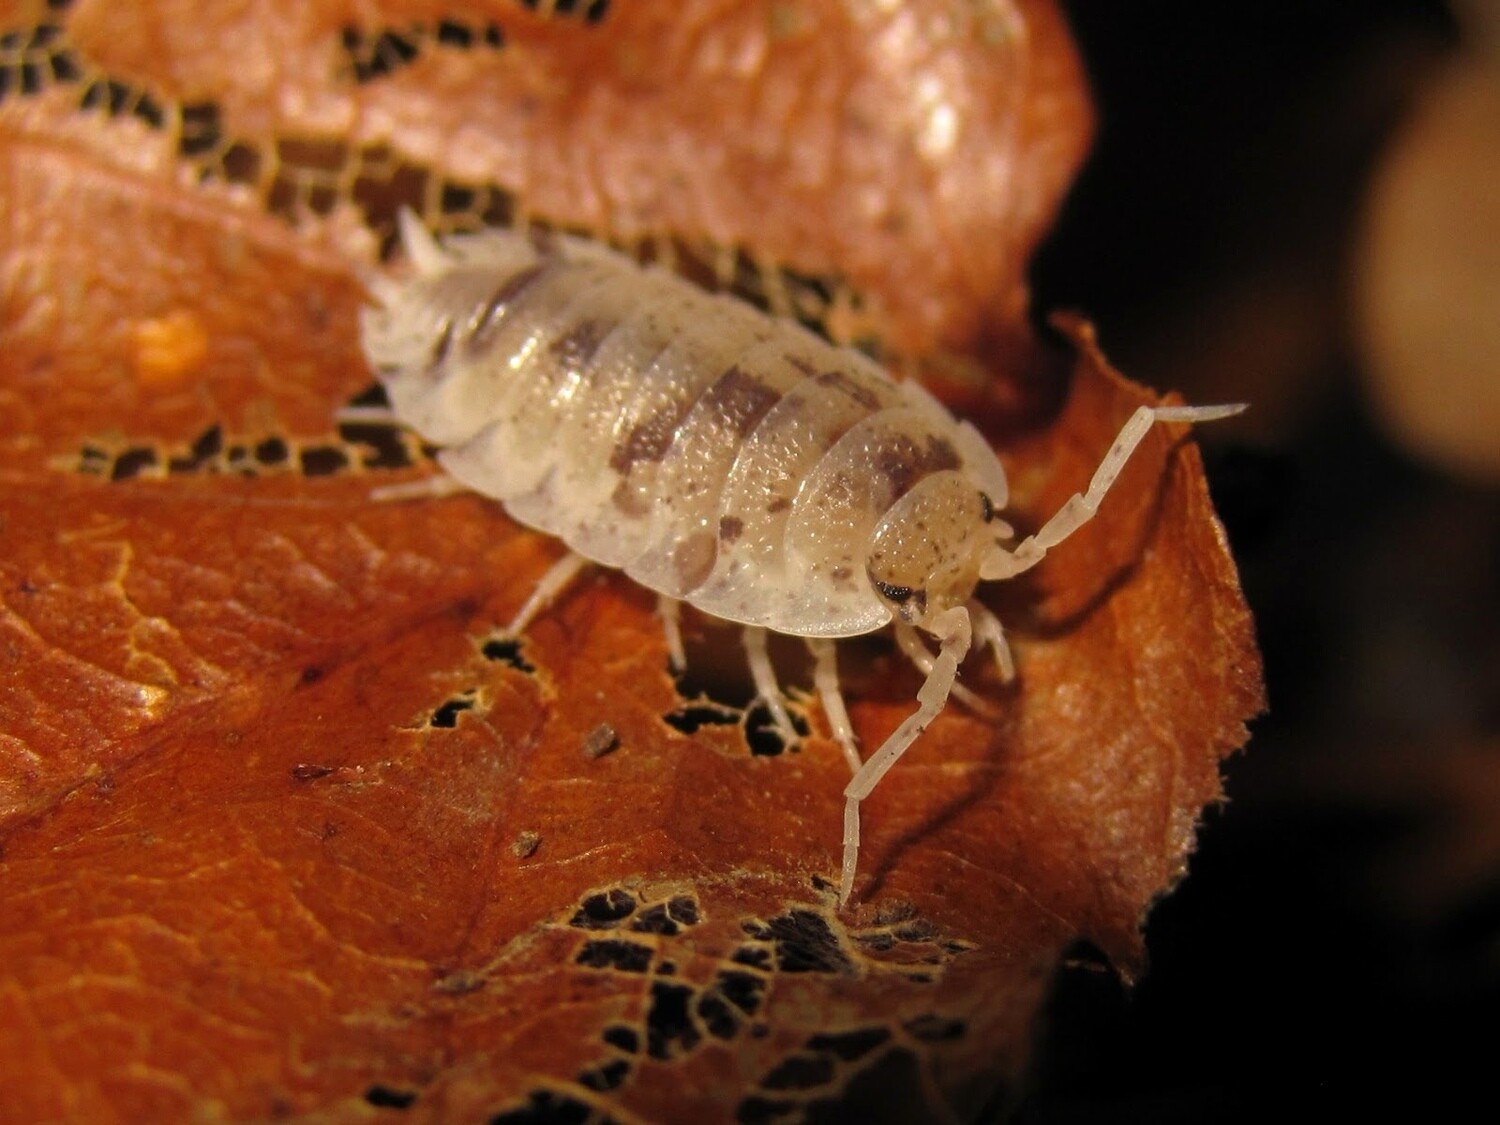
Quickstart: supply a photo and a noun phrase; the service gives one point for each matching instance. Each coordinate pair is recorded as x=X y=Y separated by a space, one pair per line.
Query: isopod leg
x=990 y=634
x=954 y=635
x=670 y=612
x=562 y=572
x=766 y=688
x=1080 y=507
x=365 y=416
x=428 y=488
x=826 y=679
x=923 y=660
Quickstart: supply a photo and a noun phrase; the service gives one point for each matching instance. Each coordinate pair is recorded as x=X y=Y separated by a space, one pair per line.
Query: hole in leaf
x=604 y=911
x=506 y=650
x=606 y=1076
x=446 y=716
x=623 y=1037
x=669 y=1026
x=762 y=735
x=933 y=1028
x=133 y=462
x=323 y=460
x=743 y=990
x=800 y=1072
x=546 y=1107
x=850 y=1045
x=383 y=1097
x=720 y=1020
x=626 y=956
x=694 y=716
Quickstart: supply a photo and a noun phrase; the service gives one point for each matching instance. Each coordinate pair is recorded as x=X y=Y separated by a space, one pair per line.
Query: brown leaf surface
x=917 y=150
x=282 y=836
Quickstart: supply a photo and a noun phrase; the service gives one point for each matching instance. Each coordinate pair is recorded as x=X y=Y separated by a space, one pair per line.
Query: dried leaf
x=287 y=833
x=919 y=150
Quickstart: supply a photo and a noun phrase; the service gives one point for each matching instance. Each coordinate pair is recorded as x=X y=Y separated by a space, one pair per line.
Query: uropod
x=716 y=454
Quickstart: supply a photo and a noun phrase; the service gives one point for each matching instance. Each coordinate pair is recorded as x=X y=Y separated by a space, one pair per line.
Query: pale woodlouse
x=717 y=455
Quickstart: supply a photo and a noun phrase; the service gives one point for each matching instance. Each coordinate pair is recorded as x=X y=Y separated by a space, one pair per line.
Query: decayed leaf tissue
x=291 y=830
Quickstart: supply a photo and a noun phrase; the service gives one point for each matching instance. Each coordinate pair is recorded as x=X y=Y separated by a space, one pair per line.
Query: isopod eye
x=910 y=602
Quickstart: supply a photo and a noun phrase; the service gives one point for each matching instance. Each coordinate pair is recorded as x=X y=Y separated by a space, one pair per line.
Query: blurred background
x=1297 y=204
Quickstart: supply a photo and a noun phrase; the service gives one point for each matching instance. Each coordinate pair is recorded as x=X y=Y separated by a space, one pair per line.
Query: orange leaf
x=287 y=833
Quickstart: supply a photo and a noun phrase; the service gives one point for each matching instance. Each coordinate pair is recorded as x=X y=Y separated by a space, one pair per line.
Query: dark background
x=1337 y=943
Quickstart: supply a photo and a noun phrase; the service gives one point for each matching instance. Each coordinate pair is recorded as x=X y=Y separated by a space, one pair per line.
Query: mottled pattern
x=712 y=452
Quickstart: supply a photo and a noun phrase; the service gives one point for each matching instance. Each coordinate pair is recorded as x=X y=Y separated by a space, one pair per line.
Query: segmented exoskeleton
x=717 y=455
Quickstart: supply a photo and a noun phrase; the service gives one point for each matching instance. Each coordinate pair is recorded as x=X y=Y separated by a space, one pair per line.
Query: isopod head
x=926 y=554
x=419 y=332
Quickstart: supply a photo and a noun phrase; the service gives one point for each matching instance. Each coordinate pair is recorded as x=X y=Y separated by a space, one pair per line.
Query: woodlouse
x=716 y=454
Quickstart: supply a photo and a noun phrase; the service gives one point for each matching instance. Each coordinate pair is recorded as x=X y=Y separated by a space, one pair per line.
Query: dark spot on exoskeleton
x=625 y=956
x=800 y=363
x=903 y=462
x=987 y=507
x=841 y=574
x=630 y=500
x=684 y=909
x=843 y=382
x=493 y=311
x=306 y=771
x=693 y=559
x=780 y=504
x=577 y=345
x=740 y=400
x=730 y=528
x=649 y=440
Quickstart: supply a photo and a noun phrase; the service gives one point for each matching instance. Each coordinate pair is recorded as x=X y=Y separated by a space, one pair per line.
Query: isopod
x=716 y=454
